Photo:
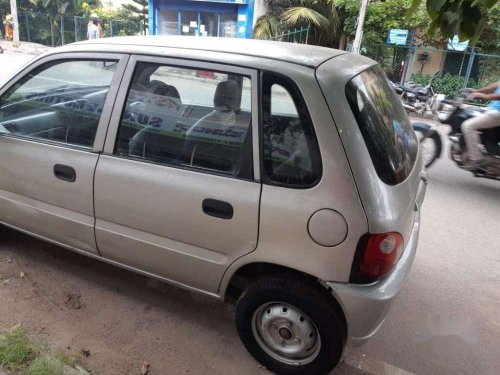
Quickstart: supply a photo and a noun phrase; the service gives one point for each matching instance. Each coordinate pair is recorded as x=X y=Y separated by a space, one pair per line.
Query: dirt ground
x=124 y=319
x=74 y=303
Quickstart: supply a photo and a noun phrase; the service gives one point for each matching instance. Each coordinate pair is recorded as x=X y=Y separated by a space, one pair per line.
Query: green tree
x=381 y=16
x=489 y=42
x=465 y=18
x=270 y=25
x=319 y=15
x=140 y=12
x=267 y=26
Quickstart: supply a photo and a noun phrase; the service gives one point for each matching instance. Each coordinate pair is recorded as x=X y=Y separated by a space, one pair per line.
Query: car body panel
x=389 y=208
x=176 y=234
x=31 y=197
x=285 y=212
x=298 y=54
x=148 y=217
x=366 y=306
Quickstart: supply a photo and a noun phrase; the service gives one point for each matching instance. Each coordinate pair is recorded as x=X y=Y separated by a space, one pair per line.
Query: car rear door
x=53 y=119
x=175 y=190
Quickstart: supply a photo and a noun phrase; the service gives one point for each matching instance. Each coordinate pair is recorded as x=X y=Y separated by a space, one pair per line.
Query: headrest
x=161 y=88
x=227 y=96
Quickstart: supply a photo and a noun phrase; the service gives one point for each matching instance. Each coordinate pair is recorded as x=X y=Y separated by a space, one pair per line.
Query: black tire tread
x=308 y=296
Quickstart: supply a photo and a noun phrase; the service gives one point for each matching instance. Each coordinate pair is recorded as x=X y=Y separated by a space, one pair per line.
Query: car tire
x=290 y=325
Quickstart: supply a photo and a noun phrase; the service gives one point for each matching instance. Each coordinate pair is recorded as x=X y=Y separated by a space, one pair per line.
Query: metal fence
x=455 y=69
x=295 y=36
x=63 y=29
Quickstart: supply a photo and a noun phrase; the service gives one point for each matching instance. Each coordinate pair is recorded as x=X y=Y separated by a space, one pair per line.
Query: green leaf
x=485 y=3
x=266 y=27
x=297 y=15
x=436 y=6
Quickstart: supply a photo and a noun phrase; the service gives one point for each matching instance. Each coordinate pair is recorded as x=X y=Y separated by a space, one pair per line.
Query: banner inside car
x=170 y=117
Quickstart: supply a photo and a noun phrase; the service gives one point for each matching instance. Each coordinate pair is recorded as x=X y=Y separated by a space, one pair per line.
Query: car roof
x=302 y=54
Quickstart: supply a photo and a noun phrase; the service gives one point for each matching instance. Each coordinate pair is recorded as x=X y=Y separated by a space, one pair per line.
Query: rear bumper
x=366 y=306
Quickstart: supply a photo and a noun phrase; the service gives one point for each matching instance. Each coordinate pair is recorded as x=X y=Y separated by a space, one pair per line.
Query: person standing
x=8 y=27
x=94 y=28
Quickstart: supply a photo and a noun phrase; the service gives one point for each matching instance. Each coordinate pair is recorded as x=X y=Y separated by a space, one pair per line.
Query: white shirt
x=93 y=31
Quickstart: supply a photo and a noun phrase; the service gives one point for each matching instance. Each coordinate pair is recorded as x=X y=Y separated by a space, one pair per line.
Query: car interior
x=70 y=117
x=159 y=126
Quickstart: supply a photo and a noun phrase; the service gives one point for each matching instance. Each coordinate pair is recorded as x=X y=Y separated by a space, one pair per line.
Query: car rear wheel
x=289 y=325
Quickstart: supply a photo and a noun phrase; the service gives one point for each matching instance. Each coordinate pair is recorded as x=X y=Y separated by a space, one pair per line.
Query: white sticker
x=193 y=24
x=185 y=29
x=202 y=28
x=242 y=17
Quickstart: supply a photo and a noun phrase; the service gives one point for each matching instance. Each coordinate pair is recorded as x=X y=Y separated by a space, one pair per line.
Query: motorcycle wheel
x=430 y=144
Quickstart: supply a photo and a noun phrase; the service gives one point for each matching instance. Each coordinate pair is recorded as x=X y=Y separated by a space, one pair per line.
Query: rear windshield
x=386 y=129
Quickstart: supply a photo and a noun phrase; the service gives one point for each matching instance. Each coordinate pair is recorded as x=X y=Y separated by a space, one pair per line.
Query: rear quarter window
x=385 y=127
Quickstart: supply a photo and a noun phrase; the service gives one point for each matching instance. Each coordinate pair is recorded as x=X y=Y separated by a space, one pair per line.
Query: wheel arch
x=236 y=283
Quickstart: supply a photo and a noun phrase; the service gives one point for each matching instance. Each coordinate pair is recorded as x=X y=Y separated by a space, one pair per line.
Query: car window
x=188 y=118
x=60 y=101
x=290 y=149
x=282 y=102
x=385 y=127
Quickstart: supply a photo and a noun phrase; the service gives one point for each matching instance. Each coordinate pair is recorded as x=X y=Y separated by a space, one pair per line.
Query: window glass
x=281 y=102
x=61 y=101
x=227 y=26
x=291 y=154
x=385 y=127
x=189 y=22
x=169 y=22
x=188 y=118
x=208 y=24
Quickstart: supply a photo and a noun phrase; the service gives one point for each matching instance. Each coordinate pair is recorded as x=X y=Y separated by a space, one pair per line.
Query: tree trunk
x=342 y=41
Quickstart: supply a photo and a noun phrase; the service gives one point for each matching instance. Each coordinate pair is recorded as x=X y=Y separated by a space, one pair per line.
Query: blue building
x=222 y=18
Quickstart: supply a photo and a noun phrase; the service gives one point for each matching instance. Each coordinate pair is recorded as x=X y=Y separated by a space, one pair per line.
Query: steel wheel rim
x=286 y=333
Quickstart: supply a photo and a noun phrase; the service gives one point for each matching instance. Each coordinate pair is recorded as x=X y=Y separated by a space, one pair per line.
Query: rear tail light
x=376 y=255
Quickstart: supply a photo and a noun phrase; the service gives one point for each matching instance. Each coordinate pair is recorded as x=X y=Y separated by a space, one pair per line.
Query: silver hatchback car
x=285 y=178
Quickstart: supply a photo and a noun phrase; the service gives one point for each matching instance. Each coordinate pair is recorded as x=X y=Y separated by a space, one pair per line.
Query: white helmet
x=94 y=16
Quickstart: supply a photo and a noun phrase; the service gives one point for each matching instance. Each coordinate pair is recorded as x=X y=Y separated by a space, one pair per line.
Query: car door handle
x=216 y=208
x=65 y=172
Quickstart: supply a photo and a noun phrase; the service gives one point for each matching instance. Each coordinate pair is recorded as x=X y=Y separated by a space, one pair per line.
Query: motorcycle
x=431 y=143
x=415 y=97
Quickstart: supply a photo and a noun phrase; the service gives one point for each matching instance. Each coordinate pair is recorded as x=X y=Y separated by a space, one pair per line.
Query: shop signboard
x=397 y=37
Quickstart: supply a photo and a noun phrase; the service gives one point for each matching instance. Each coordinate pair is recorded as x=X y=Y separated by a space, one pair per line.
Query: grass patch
x=47 y=364
x=18 y=353
x=15 y=349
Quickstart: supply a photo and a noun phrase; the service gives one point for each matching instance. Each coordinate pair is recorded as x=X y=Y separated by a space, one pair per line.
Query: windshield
x=386 y=129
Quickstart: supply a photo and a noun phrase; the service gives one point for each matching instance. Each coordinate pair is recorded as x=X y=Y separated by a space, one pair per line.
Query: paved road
x=444 y=322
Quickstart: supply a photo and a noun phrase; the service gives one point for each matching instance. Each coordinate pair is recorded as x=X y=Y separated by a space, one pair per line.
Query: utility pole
x=356 y=45
x=15 y=22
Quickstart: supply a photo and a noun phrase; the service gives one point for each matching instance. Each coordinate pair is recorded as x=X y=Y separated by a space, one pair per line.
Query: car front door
x=175 y=190
x=53 y=119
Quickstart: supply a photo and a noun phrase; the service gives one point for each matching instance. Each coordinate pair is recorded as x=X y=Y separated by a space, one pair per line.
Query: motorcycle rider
x=489 y=119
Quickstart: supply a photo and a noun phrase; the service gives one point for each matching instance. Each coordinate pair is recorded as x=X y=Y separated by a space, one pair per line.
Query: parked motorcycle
x=415 y=97
x=431 y=143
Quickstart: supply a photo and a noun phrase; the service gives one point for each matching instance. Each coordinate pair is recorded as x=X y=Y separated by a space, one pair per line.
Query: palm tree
x=267 y=26
x=319 y=15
